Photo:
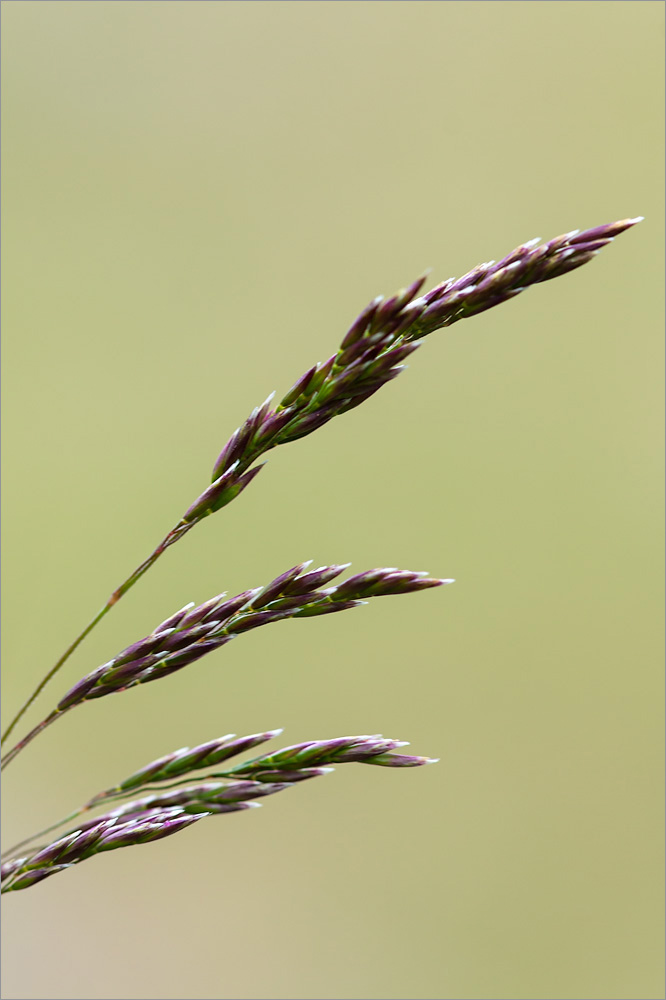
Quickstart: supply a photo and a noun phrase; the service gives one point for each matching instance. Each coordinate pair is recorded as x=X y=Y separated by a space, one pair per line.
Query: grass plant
x=370 y=355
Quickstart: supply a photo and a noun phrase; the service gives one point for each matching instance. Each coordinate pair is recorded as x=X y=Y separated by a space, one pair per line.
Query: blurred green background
x=198 y=198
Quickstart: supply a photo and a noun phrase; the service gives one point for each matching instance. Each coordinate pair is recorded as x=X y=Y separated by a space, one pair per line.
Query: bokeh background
x=198 y=199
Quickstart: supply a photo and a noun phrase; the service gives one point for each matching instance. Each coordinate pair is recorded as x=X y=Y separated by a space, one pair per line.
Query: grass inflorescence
x=370 y=355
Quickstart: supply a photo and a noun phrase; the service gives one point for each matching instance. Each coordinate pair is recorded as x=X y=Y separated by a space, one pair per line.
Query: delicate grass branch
x=370 y=355
x=169 y=811
x=384 y=335
x=192 y=632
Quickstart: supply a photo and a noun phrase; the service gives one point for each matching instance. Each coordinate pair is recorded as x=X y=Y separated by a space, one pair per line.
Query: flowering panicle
x=371 y=354
x=193 y=632
x=385 y=333
x=174 y=808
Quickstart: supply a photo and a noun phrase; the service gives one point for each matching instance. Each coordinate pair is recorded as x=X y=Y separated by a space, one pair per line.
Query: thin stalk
x=97 y=800
x=9 y=756
x=169 y=539
x=49 y=829
x=111 y=795
x=54 y=670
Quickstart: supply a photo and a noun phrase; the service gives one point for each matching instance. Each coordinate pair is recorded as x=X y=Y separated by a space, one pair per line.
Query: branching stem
x=180 y=529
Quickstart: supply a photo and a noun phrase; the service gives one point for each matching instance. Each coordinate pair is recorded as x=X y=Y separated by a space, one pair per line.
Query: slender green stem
x=9 y=756
x=176 y=533
x=112 y=793
x=54 y=670
x=102 y=797
x=97 y=800
x=49 y=829
x=118 y=794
